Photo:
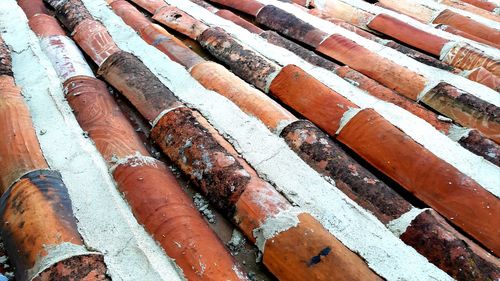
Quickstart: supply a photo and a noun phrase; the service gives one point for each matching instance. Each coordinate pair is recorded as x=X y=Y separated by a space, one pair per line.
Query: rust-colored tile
x=95 y=41
x=150 y=5
x=465 y=109
x=217 y=78
x=432 y=237
x=383 y=70
x=454 y=195
x=408 y=34
x=250 y=7
x=45 y=25
x=70 y=12
x=461 y=5
x=170 y=45
x=483 y=76
x=129 y=14
x=180 y=21
x=31 y=7
x=166 y=212
x=468 y=25
x=36 y=214
x=318 y=103
x=325 y=156
x=331 y=261
x=226 y=14
x=483 y=4
x=461 y=33
x=156 y=35
x=291 y=26
x=19 y=148
x=242 y=61
x=138 y=84
x=377 y=90
x=98 y=114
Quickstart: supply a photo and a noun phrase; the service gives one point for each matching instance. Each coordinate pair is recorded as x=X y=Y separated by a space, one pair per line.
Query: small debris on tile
x=202 y=205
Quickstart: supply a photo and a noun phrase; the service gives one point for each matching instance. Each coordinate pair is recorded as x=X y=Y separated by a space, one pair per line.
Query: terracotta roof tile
x=383 y=177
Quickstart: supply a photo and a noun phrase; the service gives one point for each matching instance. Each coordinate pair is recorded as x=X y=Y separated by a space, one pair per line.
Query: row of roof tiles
x=187 y=138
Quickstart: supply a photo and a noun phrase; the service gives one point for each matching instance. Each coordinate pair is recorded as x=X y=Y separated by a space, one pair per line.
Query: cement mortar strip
x=352 y=225
x=367 y=7
x=474 y=166
x=398 y=226
x=104 y=219
x=432 y=74
x=273 y=226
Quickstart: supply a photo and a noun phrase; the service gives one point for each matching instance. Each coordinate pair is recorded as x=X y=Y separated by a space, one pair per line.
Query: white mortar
x=273 y=226
x=398 y=226
x=354 y=226
x=104 y=220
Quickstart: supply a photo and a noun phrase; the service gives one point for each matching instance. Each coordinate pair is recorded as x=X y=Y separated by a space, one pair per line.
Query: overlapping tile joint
x=334 y=139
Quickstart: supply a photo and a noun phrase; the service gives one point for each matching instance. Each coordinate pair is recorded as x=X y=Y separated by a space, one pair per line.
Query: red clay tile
x=461 y=33
x=156 y=35
x=45 y=25
x=288 y=24
x=99 y=115
x=19 y=148
x=129 y=14
x=217 y=78
x=136 y=82
x=185 y=131
x=150 y=5
x=483 y=76
x=170 y=45
x=239 y=21
x=443 y=245
x=408 y=34
x=385 y=71
x=36 y=209
x=483 y=4
x=454 y=195
x=37 y=214
x=332 y=261
x=302 y=92
x=459 y=4
x=180 y=21
x=95 y=40
x=169 y=216
x=465 y=109
x=468 y=25
x=383 y=93
x=32 y=8
x=250 y=7
x=244 y=63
